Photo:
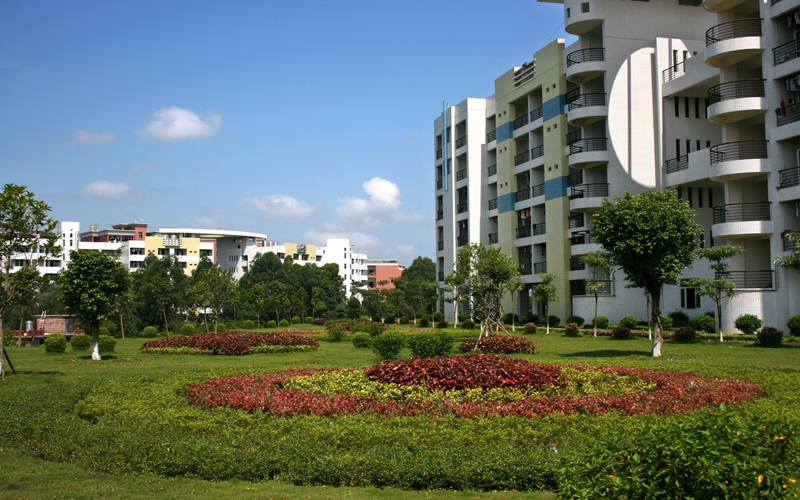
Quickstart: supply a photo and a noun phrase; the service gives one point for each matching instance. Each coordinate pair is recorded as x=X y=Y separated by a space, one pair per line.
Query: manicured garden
x=582 y=417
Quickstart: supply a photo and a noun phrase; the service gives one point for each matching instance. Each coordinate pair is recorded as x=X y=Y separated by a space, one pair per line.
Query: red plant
x=499 y=345
x=231 y=343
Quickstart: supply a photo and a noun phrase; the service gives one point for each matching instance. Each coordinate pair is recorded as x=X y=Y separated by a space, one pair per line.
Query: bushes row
x=56 y=343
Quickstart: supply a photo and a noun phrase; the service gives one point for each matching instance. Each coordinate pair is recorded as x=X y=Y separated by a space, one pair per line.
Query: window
x=700 y=197
x=707 y=105
x=686 y=100
x=699 y=145
x=180 y=251
x=688 y=146
x=52 y=263
x=568 y=13
x=690 y=299
x=710 y=199
x=697 y=108
x=163 y=251
x=206 y=253
x=689 y=195
x=136 y=251
x=585 y=7
x=135 y=264
x=678 y=147
x=677 y=107
x=680 y=194
x=182 y=264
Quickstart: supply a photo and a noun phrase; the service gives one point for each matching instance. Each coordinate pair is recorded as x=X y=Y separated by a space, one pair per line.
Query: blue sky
x=299 y=119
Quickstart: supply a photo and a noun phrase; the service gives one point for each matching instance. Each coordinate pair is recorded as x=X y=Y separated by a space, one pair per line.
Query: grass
x=30 y=477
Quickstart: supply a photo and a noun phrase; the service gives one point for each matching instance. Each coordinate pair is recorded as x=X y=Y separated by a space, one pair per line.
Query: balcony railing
x=461 y=141
x=492 y=170
x=461 y=207
x=536 y=114
x=572 y=95
x=575 y=263
x=738 y=28
x=588 y=145
x=438 y=153
x=439 y=214
x=539 y=267
x=523 y=231
x=739 y=150
x=537 y=190
x=585 y=100
x=172 y=242
x=441 y=275
x=461 y=241
x=594 y=190
x=788 y=114
x=491 y=136
x=788 y=245
x=736 y=90
x=493 y=204
x=677 y=164
x=574 y=136
x=575 y=179
x=539 y=228
x=742 y=212
x=749 y=279
x=578 y=287
x=523 y=194
x=790 y=177
x=493 y=238
x=673 y=72
x=576 y=220
x=439 y=184
x=521 y=121
x=461 y=174
x=786 y=52
x=582 y=239
x=440 y=245
x=585 y=55
x=522 y=157
x=525 y=268
x=537 y=152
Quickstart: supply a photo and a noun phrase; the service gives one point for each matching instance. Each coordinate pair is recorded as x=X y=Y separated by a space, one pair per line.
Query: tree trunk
x=547 y=316
x=655 y=316
x=595 y=313
x=719 y=319
x=95 y=327
x=121 y=326
x=166 y=325
x=3 y=348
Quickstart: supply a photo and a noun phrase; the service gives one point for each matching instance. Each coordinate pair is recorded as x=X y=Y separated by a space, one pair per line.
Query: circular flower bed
x=232 y=343
x=469 y=386
x=499 y=344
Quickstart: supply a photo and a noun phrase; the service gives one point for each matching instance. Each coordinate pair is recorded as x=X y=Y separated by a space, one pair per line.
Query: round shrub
x=600 y=321
x=361 y=339
x=222 y=327
x=336 y=333
x=748 y=323
x=575 y=319
x=530 y=318
x=424 y=322
x=390 y=320
x=271 y=324
x=284 y=323
x=468 y=324
x=55 y=343
x=510 y=319
x=666 y=321
x=793 y=324
x=685 y=334
x=374 y=329
x=308 y=320
x=438 y=316
x=149 y=332
x=703 y=323
x=555 y=321
x=80 y=342
x=530 y=328
x=630 y=322
x=769 y=337
x=430 y=345
x=104 y=331
x=107 y=344
x=679 y=316
x=296 y=320
x=621 y=332
x=248 y=324
x=572 y=330
x=188 y=329
x=388 y=345
x=464 y=316
x=441 y=324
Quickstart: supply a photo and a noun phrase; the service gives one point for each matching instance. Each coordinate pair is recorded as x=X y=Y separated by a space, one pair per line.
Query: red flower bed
x=675 y=392
x=231 y=343
x=499 y=344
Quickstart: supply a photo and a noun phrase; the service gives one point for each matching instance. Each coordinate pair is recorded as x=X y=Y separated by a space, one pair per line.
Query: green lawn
x=24 y=472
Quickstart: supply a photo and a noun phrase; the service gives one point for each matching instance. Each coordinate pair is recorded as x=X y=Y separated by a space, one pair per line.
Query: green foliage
x=336 y=333
x=621 y=332
x=80 y=342
x=679 y=316
x=271 y=324
x=793 y=324
x=361 y=339
x=188 y=329
x=424 y=322
x=530 y=318
x=104 y=331
x=296 y=320
x=221 y=327
x=149 y=332
x=630 y=322
x=284 y=323
x=748 y=323
x=308 y=320
x=703 y=323
x=769 y=336
x=55 y=343
x=530 y=328
x=545 y=292
x=388 y=345
x=248 y=324
x=792 y=259
x=575 y=319
x=374 y=329
x=554 y=321
x=667 y=322
x=685 y=334
x=107 y=344
x=468 y=325
x=600 y=321
x=572 y=330
x=510 y=318
x=430 y=345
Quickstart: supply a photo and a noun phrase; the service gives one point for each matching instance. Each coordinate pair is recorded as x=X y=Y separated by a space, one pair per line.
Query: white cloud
x=174 y=124
x=106 y=190
x=86 y=137
x=406 y=249
x=361 y=241
x=280 y=207
x=381 y=209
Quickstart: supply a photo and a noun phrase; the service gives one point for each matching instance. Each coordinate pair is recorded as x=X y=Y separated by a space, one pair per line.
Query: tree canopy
x=720 y=287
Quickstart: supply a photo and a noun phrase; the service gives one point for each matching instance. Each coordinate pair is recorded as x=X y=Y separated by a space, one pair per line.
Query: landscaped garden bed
x=232 y=343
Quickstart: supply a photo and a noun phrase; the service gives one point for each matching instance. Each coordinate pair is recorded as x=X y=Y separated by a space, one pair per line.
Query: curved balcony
x=588 y=153
x=737 y=160
x=720 y=5
x=585 y=65
x=732 y=42
x=582 y=243
x=587 y=197
x=587 y=109
x=734 y=101
x=582 y=16
x=743 y=220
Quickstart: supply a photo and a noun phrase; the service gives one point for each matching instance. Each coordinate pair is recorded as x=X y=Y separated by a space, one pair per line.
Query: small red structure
x=56 y=323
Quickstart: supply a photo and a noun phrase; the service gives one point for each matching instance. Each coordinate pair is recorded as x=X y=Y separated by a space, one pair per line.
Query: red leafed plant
x=499 y=344
x=231 y=343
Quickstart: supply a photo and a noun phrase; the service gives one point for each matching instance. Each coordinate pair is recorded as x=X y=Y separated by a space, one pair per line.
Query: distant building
x=380 y=271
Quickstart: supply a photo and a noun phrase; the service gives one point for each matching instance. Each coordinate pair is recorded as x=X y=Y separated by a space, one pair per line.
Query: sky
x=300 y=119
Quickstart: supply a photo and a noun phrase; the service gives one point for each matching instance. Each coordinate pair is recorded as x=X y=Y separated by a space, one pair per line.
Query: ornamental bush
x=575 y=319
x=666 y=321
x=308 y=320
x=748 y=323
x=424 y=322
x=467 y=324
x=442 y=324
x=530 y=318
x=390 y=320
x=149 y=332
x=601 y=321
x=374 y=329
x=530 y=328
x=793 y=324
x=703 y=323
x=55 y=343
x=679 y=316
x=388 y=345
x=296 y=320
x=188 y=329
x=248 y=324
x=361 y=339
x=336 y=333
x=769 y=336
x=222 y=327
x=104 y=331
x=430 y=345
x=685 y=334
x=630 y=322
x=464 y=316
x=572 y=330
x=510 y=319
x=271 y=324
x=555 y=321
x=284 y=323
x=107 y=344
x=621 y=332
x=499 y=344
x=80 y=342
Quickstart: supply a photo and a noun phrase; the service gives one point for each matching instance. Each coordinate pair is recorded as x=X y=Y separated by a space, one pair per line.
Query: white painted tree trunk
x=2 y=370
x=96 y=349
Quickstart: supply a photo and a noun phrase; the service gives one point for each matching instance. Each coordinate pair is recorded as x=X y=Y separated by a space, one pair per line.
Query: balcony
x=575 y=263
x=587 y=197
x=588 y=153
x=578 y=287
x=522 y=157
x=582 y=16
x=582 y=243
x=493 y=204
x=493 y=238
x=440 y=245
x=440 y=275
x=539 y=228
x=733 y=42
x=523 y=232
x=523 y=194
x=539 y=267
x=673 y=72
x=492 y=170
x=491 y=136
x=439 y=214
x=677 y=164
x=743 y=220
x=576 y=220
x=585 y=65
x=171 y=241
x=788 y=114
x=461 y=141
x=749 y=279
x=720 y=5
x=536 y=114
x=790 y=177
x=786 y=52
x=737 y=100
x=525 y=268
x=439 y=184
x=461 y=174
x=461 y=207
x=737 y=160
x=438 y=153
x=587 y=109
x=461 y=241
x=521 y=121
x=537 y=190
x=788 y=245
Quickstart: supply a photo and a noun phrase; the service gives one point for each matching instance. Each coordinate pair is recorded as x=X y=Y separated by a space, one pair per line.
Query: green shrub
x=630 y=322
x=390 y=320
x=361 y=339
x=374 y=329
x=530 y=328
x=703 y=323
x=430 y=345
x=793 y=324
x=284 y=323
x=271 y=324
x=248 y=324
x=80 y=342
x=441 y=324
x=572 y=330
x=510 y=319
x=309 y=320
x=464 y=316
x=296 y=320
x=468 y=324
x=575 y=319
x=107 y=344
x=424 y=322
x=188 y=329
x=555 y=321
x=685 y=334
x=679 y=316
x=438 y=316
x=530 y=318
x=388 y=345
x=149 y=332
x=621 y=332
x=600 y=321
x=55 y=343
x=748 y=323
x=222 y=327
x=336 y=333
x=9 y=339
x=104 y=331
x=666 y=322
x=769 y=336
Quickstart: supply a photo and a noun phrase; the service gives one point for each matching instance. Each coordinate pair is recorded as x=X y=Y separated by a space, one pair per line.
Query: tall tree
x=597 y=261
x=92 y=285
x=652 y=237
x=259 y=298
x=546 y=292
x=720 y=287
x=792 y=259
x=27 y=236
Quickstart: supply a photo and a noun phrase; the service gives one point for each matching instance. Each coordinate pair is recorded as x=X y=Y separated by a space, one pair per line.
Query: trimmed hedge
x=56 y=343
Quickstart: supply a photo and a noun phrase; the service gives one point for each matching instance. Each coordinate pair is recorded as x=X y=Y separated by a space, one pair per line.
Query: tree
x=278 y=299
x=214 y=288
x=792 y=259
x=27 y=236
x=481 y=277
x=421 y=291
x=353 y=310
x=92 y=285
x=259 y=297
x=652 y=237
x=597 y=261
x=721 y=286
x=545 y=292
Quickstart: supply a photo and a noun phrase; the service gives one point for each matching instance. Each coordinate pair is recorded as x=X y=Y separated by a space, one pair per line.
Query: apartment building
x=637 y=102
x=380 y=273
